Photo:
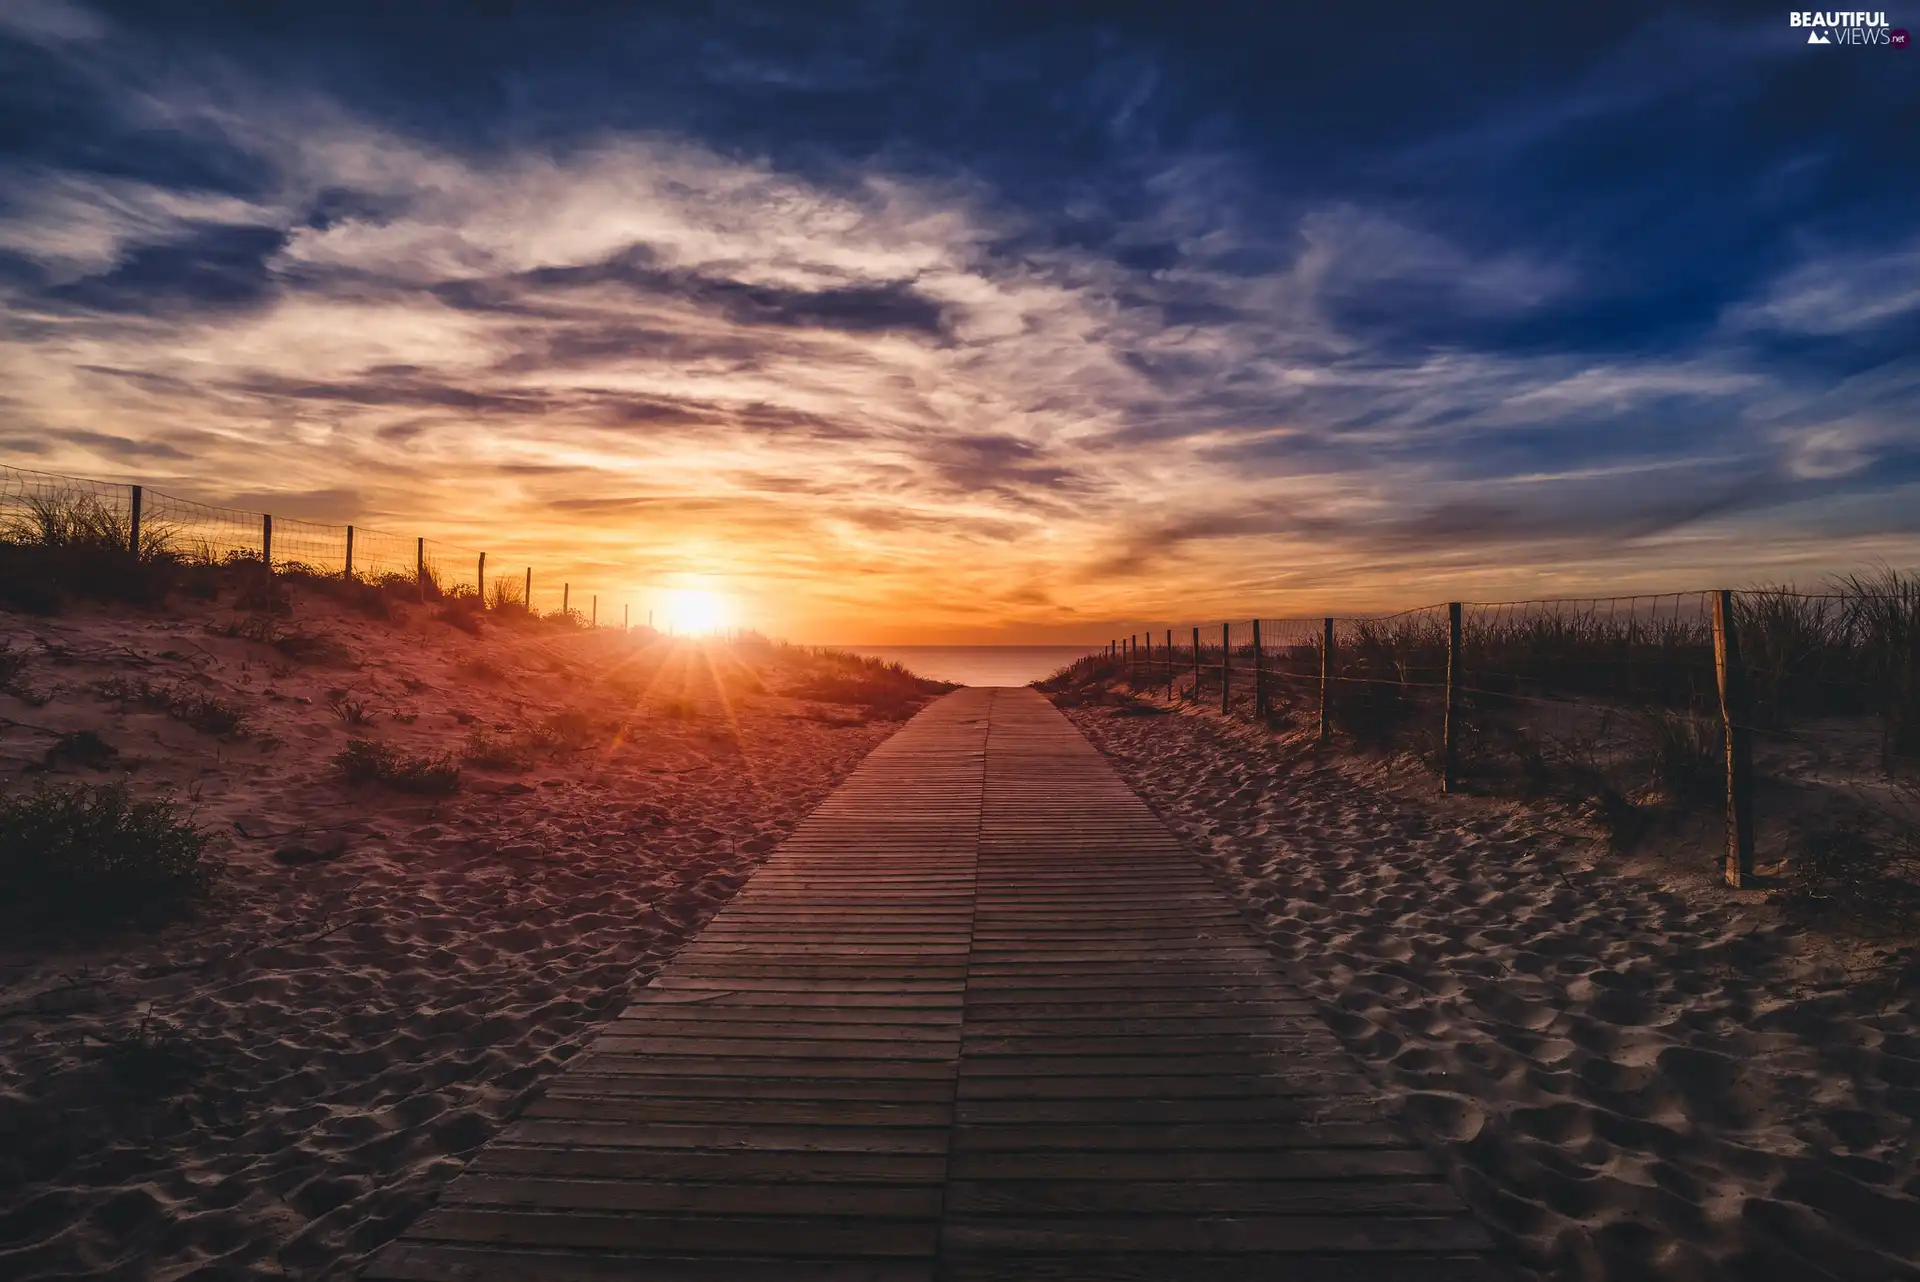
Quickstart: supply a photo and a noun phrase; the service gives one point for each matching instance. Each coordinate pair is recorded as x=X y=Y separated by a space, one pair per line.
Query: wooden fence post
x=1736 y=720
x=529 y=590
x=593 y=620
x=266 y=542
x=133 y=525
x=1326 y=678
x=566 y=598
x=1259 y=684
x=346 y=571
x=1226 y=650
x=420 y=566
x=1449 y=731
x=480 y=582
x=1196 y=665
x=1169 y=665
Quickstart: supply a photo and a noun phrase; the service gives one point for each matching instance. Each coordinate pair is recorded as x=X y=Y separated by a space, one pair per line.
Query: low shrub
x=490 y=751
x=205 y=712
x=351 y=711
x=209 y=713
x=87 y=853
x=1846 y=871
x=364 y=761
x=75 y=545
x=882 y=690
x=82 y=748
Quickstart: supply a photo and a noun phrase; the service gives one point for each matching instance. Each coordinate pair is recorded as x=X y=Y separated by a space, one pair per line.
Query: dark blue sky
x=1114 y=309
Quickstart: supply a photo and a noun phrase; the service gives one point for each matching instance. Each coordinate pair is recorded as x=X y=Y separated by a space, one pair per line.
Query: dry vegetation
x=1615 y=721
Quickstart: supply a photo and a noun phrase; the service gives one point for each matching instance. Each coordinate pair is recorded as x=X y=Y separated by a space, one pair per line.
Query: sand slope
x=1630 y=1079
x=275 y=1088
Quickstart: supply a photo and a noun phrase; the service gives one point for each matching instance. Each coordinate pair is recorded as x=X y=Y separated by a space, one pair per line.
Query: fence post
x=133 y=525
x=566 y=598
x=1169 y=665
x=346 y=571
x=1449 y=732
x=1259 y=684
x=1226 y=650
x=1737 y=723
x=266 y=542
x=480 y=582
x=593 y=620
x=420 y=566
x=1196 y=665
x=1326 y=678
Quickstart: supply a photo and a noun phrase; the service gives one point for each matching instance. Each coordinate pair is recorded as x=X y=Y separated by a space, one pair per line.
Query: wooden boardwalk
x=980 y=1017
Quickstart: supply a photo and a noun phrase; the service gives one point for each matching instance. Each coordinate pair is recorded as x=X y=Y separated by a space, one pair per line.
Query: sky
x=970 y=322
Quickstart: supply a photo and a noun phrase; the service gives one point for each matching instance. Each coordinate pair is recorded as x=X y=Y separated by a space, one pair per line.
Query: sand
x=276 y=1086
x=1630 y=1072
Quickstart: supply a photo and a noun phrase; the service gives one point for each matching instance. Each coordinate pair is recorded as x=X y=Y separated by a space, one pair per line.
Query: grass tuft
x=364 y=761
x=92 y=854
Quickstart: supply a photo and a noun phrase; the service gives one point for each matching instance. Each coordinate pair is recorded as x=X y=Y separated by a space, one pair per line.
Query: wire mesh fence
x=48 y=509
x=1672 y=699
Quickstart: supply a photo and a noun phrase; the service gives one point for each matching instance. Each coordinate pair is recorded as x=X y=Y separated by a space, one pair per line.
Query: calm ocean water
x=979 y=665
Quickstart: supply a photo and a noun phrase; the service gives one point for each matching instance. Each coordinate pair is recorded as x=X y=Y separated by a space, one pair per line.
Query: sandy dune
x=1634 y=1074
x=275 y=1087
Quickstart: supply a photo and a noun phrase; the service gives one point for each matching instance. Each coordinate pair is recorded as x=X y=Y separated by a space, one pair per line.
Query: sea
x=978 y=665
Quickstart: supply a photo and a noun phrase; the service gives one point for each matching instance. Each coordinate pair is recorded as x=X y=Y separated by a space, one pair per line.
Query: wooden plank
x=547 y=1193
x=413 y=1261
x=677 y=1234
x=1305 y=1196
x=1359 y=1235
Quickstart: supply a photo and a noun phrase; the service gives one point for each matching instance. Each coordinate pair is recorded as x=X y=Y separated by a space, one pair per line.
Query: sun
x=695 y=612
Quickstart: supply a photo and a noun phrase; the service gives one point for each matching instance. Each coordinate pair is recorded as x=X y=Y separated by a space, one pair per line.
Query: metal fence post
x=1449 y=731
x=133 y=523
x=1737 y=723
x=1326 y=678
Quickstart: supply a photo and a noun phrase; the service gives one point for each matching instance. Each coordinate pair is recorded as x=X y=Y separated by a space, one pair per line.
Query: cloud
x=921 y=374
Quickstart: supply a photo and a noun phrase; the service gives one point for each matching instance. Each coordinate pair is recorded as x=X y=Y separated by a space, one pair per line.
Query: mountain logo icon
x=1815 y=38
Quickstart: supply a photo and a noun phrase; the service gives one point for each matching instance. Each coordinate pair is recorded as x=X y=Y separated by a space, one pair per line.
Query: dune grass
x=364 y=761
x=883 y=690
x=86 y=854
